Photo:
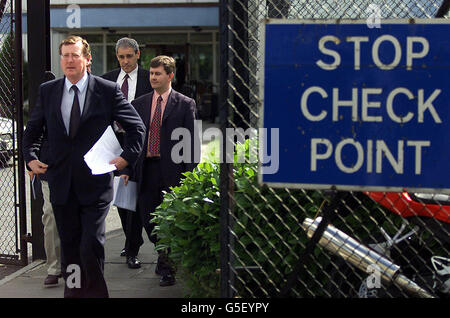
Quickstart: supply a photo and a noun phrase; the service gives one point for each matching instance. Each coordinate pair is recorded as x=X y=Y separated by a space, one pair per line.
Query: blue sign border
x=436 y=183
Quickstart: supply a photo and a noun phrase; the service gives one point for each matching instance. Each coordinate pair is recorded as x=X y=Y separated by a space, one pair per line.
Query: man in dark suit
x=163 y=111
x=75 y=111
x=134 y=82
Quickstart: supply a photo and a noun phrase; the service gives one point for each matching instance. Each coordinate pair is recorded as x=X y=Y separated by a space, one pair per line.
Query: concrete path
x=122 y=282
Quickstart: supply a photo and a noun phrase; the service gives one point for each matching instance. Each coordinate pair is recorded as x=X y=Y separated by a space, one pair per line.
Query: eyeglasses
x=69 y=55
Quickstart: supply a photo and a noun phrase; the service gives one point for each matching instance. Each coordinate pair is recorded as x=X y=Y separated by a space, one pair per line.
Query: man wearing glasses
x=75 y=111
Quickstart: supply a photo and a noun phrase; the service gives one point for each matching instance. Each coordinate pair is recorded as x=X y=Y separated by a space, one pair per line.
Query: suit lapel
x=91 y=98
x=139 y=83
x=171 y=102
x=115 y=76
x=146 y=110
x=57 y=101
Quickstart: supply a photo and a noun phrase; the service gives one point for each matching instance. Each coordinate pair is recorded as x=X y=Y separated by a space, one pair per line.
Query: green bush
x=188 y=224
x=266 y=227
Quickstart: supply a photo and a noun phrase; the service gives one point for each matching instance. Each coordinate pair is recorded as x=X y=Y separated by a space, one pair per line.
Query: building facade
x=187 y=30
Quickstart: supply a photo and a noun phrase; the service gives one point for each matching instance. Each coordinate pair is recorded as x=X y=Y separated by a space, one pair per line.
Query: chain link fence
x=268 y=244
x=9 y=247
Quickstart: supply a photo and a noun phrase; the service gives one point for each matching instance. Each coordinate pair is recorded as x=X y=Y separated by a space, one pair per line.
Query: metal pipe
x=19 y=107
x=362 y=257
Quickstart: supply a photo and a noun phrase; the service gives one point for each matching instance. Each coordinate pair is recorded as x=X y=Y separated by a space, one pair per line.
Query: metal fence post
x=265 y=250
x=225 y=168
x=19 y=118
x=38 y=63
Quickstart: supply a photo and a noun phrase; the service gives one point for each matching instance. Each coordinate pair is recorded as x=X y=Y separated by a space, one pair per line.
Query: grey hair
x=126 y=43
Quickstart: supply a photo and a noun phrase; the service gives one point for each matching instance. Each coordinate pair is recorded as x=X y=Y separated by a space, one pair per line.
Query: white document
x=125 y=196
x=104 y=150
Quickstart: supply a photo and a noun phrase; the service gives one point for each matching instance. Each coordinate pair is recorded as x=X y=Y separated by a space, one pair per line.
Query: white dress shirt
x=67 y=98
x=132 y=81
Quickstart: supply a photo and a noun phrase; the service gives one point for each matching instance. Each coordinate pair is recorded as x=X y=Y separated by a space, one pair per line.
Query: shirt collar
x=133 y=74
x=164 y=95
x=81 y=84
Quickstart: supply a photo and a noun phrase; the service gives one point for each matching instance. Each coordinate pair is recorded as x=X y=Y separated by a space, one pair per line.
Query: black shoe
x=167 y=280
x=164 y=265
x=123 y=253
x=133 y=262
x=51 y=280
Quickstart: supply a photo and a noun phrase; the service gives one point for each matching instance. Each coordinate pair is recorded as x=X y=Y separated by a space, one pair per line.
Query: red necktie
x=124 y=87
x=155 y=130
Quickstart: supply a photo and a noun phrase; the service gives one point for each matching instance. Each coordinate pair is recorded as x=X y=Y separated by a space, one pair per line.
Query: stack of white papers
x=104 y=150
x=125 y=196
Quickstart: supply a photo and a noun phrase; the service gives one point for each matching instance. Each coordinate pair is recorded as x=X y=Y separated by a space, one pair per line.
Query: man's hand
x=119 y=162
x=37 y=167
x=30 y=174
x=125 y=178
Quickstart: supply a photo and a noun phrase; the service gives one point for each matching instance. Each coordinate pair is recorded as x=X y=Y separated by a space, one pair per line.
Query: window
x=201 y=65
x=201 y=37
x=153 y=38
x=97 y=59
x=111 y=59
x=113 y=38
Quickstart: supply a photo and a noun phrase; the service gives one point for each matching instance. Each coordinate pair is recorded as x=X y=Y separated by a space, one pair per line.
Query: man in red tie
x=134 y=82
x=163 y=111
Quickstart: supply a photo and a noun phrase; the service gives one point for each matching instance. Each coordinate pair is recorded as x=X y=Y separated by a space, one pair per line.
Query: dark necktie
x=124 y=87
x=155 y=130
x=75 y=114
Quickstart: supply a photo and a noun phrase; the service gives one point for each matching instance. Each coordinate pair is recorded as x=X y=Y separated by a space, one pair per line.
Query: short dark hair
x=73 y=39
x=167 y=62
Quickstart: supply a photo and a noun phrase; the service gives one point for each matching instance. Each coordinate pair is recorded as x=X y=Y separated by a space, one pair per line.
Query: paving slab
x=122 y=282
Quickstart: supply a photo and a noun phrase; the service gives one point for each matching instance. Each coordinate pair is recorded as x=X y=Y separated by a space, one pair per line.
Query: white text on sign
x=371 y=105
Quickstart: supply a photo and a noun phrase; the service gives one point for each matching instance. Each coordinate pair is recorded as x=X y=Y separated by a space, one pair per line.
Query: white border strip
x=358 y=21
x=262 y=37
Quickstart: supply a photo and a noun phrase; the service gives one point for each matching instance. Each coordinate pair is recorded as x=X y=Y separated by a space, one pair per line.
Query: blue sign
x=355 y=107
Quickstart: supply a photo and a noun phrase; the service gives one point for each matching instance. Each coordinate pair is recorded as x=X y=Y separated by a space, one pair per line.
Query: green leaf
x=186 y=226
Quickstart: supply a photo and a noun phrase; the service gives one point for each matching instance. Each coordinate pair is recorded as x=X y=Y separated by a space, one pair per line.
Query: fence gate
x=266 y=245
x=13 y=246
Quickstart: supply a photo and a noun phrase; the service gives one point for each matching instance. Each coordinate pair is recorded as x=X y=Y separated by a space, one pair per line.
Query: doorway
x=178 y=52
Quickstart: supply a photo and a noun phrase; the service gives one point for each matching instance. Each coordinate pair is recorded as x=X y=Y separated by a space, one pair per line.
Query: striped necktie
x=155 y=130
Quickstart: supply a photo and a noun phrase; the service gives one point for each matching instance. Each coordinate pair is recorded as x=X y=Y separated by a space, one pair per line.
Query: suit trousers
x=150 y=197
x=150 y=194
x=82 y=234
x=132 y=227
x=52 y=244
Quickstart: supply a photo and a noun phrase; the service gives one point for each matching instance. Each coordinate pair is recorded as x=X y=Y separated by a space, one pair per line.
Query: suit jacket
x=143 y=86
x=44 y=154
x=143 y=80
x=67 y=169
x=180 y=112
